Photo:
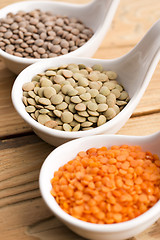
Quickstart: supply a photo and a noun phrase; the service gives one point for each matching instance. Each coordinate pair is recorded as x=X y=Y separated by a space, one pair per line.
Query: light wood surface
x=23 y=214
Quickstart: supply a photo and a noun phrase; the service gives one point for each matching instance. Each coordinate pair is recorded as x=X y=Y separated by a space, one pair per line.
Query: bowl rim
x=76 y=52
x=68 y=219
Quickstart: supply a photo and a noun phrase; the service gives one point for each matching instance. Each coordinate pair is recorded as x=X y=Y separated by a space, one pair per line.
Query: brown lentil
x=37 y=34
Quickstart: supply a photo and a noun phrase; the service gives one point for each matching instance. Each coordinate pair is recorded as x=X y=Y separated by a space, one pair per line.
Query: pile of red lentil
x=106 y=186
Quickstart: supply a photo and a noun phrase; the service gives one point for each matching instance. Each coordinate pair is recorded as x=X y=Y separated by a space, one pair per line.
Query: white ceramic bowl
x=67 y=152
x=57 y=137
x=104 y=11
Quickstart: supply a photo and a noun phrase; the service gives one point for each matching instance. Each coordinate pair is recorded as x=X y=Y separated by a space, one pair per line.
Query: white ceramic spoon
x=97 y=15
x=134 y=73
x=67 y=152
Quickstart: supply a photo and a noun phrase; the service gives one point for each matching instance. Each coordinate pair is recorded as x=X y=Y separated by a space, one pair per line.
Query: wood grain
x=142 y=125
x=23 y=214
x=21 y=159
x=117 y=42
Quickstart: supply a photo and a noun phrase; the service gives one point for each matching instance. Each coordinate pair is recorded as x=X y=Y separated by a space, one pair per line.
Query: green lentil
x=74 y=97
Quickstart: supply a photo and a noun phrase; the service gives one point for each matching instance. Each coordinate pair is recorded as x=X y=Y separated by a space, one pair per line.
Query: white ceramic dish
x=67 y=152
x=134 y=73
x=97 y=15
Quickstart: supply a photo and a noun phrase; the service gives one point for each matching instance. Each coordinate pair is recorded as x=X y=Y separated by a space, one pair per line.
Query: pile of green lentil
x=74 y=97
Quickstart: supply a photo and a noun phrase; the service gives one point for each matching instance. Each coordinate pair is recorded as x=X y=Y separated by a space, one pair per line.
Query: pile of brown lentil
x=74 y=97
x=38 y=34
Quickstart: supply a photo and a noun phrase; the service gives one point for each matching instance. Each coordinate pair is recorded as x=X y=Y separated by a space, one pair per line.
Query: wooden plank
x=21 y=159
x=22 y=212
x=131 y=21
x=142 y=125
x=150 y=101
x=114 y=45
x=126 y=30
x=10 y=122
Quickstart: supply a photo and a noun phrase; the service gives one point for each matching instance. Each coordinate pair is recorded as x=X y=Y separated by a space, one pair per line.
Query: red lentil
x=108 y=186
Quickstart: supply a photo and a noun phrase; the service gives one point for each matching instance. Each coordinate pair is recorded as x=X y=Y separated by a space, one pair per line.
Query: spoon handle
x=97 y=3
x=104 y=4
x=100 y=1
x=141 y=61
x=154 y=142
x=147 y=52
x=149 y=46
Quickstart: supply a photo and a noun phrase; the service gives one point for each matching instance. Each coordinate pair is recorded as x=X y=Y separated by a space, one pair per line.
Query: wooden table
x=23 y=214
